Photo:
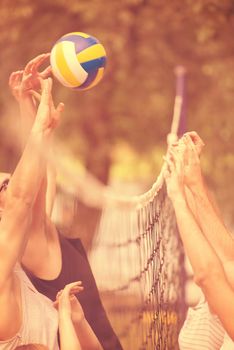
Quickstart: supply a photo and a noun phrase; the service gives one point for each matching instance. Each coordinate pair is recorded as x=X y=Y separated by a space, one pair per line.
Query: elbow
x=206 y=276
x=201 y=277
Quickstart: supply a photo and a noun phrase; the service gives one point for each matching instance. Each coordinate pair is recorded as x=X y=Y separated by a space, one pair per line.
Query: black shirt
x=75 y=267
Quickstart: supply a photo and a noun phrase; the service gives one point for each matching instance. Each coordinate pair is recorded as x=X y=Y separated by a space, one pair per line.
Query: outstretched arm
x=25 y=85
x=208 y=269
x=20 y=196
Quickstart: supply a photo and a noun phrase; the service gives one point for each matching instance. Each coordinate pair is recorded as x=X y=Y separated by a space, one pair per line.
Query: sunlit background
x=116 y=133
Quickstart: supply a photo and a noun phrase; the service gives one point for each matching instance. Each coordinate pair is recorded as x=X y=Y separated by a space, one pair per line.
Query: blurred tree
x=144 y=40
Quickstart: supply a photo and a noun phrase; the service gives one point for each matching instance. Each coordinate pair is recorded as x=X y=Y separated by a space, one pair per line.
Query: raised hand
x=15 y=82
x=31 y=75
x=23 y=82
x=197 y=141
x=174 y=174
x=67 y=303
x=47 y=116
x=192 y=167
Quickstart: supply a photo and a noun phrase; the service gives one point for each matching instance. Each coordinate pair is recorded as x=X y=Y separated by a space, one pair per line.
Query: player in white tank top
x=40 y=319
x=228 y=344
x=208 y=243
x=201 y=329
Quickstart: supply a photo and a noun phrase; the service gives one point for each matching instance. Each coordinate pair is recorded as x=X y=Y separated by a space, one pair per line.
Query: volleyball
x=78 y=60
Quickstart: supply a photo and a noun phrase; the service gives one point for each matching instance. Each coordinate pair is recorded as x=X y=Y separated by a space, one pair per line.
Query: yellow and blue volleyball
x=78 y=60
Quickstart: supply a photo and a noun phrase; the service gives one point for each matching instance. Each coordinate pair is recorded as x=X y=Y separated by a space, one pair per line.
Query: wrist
x=36 y=132
x=39 y=129
x=38 y=138
x=179 y=199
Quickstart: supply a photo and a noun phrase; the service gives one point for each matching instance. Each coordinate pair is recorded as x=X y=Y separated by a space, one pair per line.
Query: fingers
x=15 y=77
x=34 y=64
x=46 y=86
x=174 y=161
x=61 y=299
x=55 y=304
x=35 y=94
x=177 y=155
x=69 y=291
x=71 y=287
x=46 y=72
x=12 y=78
x=196 y=139
x=191 y=149
x=31 y=75
x=57 y=114
x=193 y=146
x=50 y=115
x=14 y=83
x=60 y=107
x=26 y=82
x=40 y=60
x=170 y=163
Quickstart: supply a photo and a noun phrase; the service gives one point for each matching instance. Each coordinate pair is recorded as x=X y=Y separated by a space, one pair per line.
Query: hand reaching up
x=23 y=82
x=47 y=116
x=174 y=174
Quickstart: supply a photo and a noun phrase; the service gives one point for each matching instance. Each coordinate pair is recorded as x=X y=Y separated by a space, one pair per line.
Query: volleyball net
x=137 y=257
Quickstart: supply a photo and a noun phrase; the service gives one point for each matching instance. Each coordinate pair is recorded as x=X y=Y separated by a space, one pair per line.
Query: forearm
x=211 y=223
x=221 y=303
x=28 y=174
x=67 y=334
x=201 y=255
x=51 y=185
x=86 y=336
x=21 y=193
x=27 y=117
x=208 y=270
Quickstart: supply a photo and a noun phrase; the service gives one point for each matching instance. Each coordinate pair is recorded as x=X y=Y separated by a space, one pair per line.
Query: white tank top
x=39 y=318
x=202 y=330
x=228 y=344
